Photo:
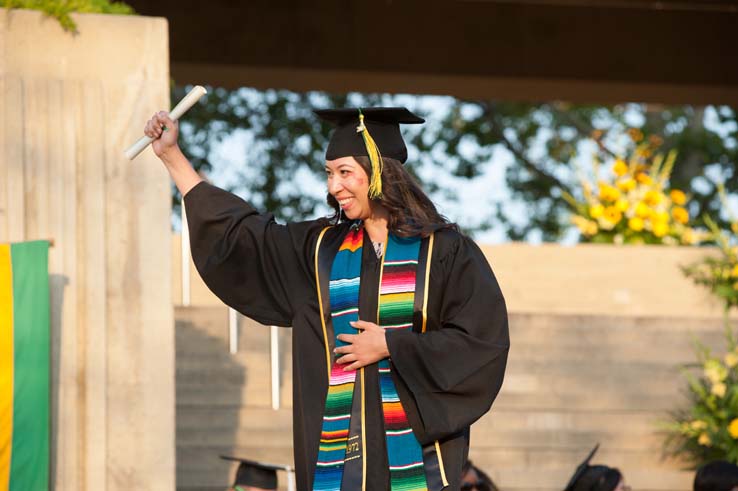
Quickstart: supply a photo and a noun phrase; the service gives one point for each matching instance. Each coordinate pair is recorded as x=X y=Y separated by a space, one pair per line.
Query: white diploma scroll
x=182 y=107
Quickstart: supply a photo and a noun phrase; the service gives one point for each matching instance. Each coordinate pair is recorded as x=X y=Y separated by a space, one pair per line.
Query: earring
x=338 y=216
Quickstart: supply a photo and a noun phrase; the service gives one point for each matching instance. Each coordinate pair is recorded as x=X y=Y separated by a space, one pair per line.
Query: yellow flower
x=635 y=134
x=680 y=214
x=608 y=193
x=660 y=216
x=714 y=371
x=731 y=359
x=660 y=229
x=655 y=140
x=678 y=197
x=622 y=204
x=734 y=273
x=733 y=428
x=644 y=178
x=653 y=198
x=612 y=214
x=689 y=237
x=635 y=224
x=626 y=185
x=596 y=210
x=719 y=389
x=620 y=168
x=734 y=227
x=643 y=152
x=642 y=210
x=698 y=425
x=586 y=227
x=704 y=440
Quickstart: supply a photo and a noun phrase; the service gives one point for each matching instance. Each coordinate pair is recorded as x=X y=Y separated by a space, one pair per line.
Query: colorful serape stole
x=396 y=304
x=24 y=366
x=344 y=304
x=396 y=299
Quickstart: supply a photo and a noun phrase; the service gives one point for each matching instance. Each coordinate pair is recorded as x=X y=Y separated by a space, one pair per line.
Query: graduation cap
x=370 y=132
x=581 y=469
x=594 y=477
x=256 y=474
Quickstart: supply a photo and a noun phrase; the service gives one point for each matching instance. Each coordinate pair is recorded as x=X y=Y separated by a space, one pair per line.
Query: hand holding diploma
x=161 y=131
x=185 y=104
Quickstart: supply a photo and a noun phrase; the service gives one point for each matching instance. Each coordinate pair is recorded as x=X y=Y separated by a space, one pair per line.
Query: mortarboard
x=256 y=474
x=371 y=132
x=581 y=469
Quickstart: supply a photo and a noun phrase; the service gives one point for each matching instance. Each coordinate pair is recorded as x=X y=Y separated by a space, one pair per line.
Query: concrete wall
x=69 y=105
x=589 y=279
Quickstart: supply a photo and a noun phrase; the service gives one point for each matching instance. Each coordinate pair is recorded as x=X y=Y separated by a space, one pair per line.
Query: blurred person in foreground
x=474 y=479
x=596 y=477
x=716 y=476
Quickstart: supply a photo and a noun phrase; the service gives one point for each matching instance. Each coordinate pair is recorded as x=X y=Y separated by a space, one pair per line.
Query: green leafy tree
x=541 y=141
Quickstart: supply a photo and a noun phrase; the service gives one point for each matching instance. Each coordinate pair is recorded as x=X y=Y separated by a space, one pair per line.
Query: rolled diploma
x=184 y=105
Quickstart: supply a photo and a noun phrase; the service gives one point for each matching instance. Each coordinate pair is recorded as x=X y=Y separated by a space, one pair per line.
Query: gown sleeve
x=253 y=264
x=454 y=373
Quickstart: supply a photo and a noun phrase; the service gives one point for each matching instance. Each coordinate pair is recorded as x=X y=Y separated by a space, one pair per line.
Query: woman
x=387 y=279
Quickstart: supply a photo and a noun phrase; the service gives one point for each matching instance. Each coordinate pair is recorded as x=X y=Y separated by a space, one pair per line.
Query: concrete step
x=544 y=458
x=213 y=322
x=205 y=457
x=543 y=322
x=561 y=399
x=627 y=424
x=266 y=437
x=222 y=418
x=226 y=396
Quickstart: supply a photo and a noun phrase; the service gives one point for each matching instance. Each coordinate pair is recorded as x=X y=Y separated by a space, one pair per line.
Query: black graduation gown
x=447 y=377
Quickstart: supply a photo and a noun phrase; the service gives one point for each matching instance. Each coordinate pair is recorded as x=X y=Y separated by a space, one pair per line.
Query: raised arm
x=165 y=133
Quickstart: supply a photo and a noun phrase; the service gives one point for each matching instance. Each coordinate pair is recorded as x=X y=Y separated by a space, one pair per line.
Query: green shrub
x=60 y=9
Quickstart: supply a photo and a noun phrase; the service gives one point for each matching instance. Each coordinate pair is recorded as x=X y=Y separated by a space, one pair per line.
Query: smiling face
x=348 y=183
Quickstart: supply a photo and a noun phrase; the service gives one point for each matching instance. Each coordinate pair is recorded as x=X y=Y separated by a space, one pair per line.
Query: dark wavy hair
x=411 y=212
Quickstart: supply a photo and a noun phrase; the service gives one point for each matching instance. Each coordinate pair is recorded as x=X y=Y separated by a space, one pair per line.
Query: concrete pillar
x=69 y=105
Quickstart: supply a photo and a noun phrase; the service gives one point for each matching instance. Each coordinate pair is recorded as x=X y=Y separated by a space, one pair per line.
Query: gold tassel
x=375 y=157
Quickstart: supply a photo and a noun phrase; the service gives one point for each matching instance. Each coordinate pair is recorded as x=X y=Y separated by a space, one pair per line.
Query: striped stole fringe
x=344 y=302
x=396 y=299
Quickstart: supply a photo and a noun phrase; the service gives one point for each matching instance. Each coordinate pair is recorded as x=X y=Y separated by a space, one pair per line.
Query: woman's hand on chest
x=367 y=347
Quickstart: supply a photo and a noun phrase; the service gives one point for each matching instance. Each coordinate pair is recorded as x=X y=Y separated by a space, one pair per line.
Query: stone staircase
x=224 y=400
x=572 y=381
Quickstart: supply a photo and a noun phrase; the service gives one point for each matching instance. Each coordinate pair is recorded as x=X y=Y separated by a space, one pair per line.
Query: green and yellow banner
x=24 y=366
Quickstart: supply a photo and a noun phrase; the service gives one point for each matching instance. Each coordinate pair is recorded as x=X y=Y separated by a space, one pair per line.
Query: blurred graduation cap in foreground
x=258 y=475
x=594 y=477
